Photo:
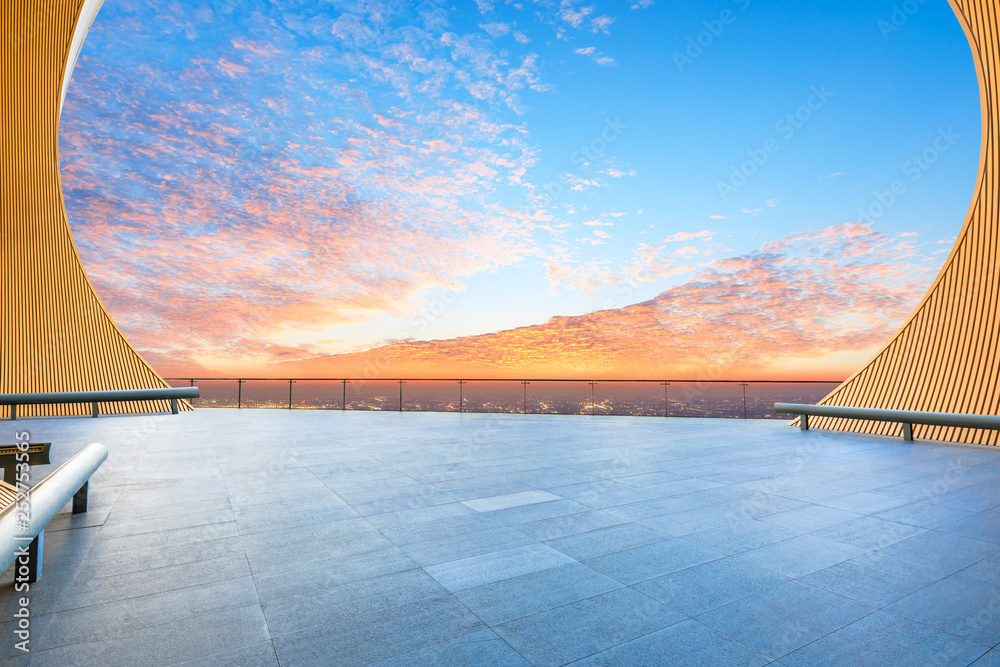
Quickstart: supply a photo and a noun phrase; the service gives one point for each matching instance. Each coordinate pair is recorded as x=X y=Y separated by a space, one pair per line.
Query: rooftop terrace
x=260 y=537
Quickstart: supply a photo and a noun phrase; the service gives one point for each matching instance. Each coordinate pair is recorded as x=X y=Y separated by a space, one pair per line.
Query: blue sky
x=275 y=183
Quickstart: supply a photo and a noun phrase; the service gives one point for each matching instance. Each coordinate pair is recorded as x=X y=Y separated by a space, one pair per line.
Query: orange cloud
x=741 y=317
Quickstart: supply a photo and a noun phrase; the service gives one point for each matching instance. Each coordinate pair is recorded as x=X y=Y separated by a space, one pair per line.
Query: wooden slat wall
x=55 y=335
x=945 y=356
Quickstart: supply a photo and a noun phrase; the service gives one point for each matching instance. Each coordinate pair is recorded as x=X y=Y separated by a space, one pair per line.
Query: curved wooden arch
x=55 y=335
x=944 y=358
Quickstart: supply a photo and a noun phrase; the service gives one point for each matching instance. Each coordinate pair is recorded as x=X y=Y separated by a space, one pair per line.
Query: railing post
x=460 y=384
x=804 y=422
x=35 y=550
x=173 y=406
x=13 y=412
x=94 y=412
x=290 y=383
x=666 y=400
x=81 y=499
x=907 y=432
x=239 y=394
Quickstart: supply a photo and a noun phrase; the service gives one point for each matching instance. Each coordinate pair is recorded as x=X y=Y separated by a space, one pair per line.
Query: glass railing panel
x=264 y=394
x=558 y=398
x=214 y=393
x=487 y=396
x=373 y=395
x=705 y=399
x=318 y=394
x=762 y=396
x=431 y=396
x=637 y=399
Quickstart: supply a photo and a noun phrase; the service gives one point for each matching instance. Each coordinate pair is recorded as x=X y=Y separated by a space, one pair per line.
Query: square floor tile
x=801 y=555
x=785 y=618
x=703 y=587
x=875 y=578
x=688 y=643
x=960 y=604
x=479 y=570
x=652 y=560
x=579 y=629
x=885 y=639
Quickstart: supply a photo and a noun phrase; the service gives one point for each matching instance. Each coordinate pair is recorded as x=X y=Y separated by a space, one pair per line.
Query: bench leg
x=907 y=432
x=94 y=411
x=804 y=422
x=34 y=558
x=173 y=406
x=81 y=499
x=13 y=413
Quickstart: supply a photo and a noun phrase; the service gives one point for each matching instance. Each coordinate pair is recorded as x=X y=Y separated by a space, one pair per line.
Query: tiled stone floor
x=260 y=537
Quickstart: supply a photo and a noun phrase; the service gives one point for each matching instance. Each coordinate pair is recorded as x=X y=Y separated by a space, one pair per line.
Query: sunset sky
x=531 y=188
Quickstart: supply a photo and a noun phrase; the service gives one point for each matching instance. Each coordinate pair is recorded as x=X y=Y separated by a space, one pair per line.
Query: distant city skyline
x=518 y=189
x=652 y=399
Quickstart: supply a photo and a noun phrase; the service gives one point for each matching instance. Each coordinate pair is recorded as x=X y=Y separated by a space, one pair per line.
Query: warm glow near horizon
x=518 y=189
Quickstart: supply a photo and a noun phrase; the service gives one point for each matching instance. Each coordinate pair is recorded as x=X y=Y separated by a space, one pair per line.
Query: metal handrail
x=905 y=417
x=44 y=500
x=94 y=397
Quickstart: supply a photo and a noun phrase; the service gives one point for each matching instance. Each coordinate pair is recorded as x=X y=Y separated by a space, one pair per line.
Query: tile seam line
x=246 y=556
x=145 y=595
x=154 y=532
x=905 y=618
x=689 y=618
x=228 y=650
x=81 y=561
x=487 y=625
x=126 y=635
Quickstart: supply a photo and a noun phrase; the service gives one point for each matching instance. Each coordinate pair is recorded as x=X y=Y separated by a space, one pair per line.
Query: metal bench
x=905 y=417
x=173 y=394
x=26 y=512
x=32 y=453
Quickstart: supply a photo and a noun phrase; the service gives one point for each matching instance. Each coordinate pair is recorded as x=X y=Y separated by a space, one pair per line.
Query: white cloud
x=496 y=29
x=684 y=236
x=602 y=24
x=598 y=57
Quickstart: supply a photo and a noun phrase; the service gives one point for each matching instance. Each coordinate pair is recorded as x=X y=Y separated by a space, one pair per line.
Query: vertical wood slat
x=56 y=334
x=945 y=357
